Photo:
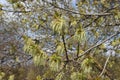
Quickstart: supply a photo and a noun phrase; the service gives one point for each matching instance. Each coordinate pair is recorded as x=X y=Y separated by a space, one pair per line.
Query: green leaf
x=1 y=12
x=80 y=35
x=115 y=42
x=35 y=26
x=60 y=48
x=59 y=76
x=1 y=6
x=55 y=62
x=73 y=21
x=39 y=77
x=86 y=65
x=19 y=5
x=11 y=77
x=102 y=46
x=13 y=1
x=2 y=74
x=40 y=59
x=76 y=76
x=39 y=56
x=59 y=24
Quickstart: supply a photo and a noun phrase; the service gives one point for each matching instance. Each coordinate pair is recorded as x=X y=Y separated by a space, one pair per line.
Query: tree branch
x=105 y=66
x=85 y=14
x=63 y=39
x=98 y=44
x=101 y=16
x=99 y=67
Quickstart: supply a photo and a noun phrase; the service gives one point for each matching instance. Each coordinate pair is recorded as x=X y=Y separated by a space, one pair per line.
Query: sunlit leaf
x=59 y=24
x=2 y=74
x=11 y=77
x=86 y=65
x=76 y=76
x=60 y=76
x=55 y=62
x=13 y=1
x=102 y=46
x=39 y=77
x=80 y=35
x=60 y=48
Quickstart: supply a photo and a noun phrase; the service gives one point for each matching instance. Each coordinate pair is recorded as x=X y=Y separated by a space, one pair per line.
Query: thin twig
x=98 y=44
x=74 y=12
x=106 y=11
x=99 y=67
x=105 y=66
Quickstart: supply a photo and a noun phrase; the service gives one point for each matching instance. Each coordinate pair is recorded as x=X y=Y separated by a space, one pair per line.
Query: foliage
x=80 y=35
x=64 y=42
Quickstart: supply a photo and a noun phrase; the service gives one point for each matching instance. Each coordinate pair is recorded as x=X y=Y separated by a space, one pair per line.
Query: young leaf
x=59 y=24
x=55 y=62
x=80 y=35
x=59 y=76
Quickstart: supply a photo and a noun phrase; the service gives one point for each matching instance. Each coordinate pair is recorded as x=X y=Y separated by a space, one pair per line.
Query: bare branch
x=65 y=48
x=74 y=12
x=105 y=66
x=106 y=11
x=99 y=67
x=98 y=44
